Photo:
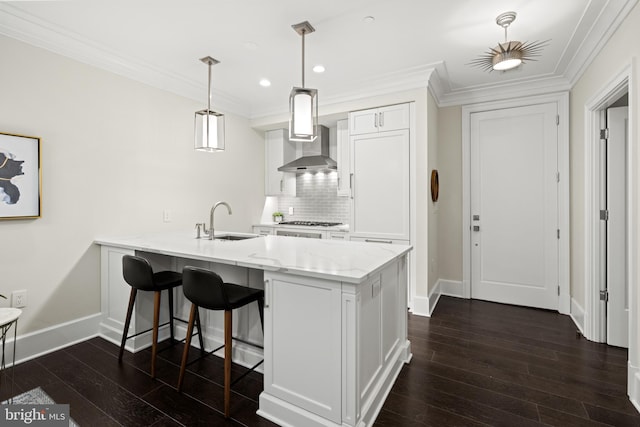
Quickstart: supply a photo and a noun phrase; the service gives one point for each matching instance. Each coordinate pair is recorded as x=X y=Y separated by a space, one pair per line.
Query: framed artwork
x=20 y=177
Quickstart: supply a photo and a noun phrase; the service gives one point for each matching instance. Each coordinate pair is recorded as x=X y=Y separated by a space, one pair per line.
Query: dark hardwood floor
x=474 y=364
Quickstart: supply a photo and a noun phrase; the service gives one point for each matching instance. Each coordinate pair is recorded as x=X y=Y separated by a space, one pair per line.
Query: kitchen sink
x=235 y=237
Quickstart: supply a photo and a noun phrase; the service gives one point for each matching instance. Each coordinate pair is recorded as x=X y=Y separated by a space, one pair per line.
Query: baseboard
x=452 y=288
x=633 y=385
x=38 y=343
x=577 y=314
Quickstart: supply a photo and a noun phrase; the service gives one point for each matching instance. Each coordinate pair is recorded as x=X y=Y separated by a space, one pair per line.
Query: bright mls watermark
x=52 y=415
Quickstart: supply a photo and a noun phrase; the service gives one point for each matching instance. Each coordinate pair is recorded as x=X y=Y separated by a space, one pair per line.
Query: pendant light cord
x=209 y=92
x=303 y=33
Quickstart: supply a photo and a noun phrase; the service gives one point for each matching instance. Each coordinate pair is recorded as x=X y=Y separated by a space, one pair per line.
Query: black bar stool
x=139 y=275
x=206 y=289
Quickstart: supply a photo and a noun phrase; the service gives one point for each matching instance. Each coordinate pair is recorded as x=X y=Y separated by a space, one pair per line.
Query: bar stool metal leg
x=228 y=316
x=156 y=322
x=170 y=292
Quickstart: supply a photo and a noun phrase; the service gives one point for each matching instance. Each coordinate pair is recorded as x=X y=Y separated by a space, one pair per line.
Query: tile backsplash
x=316 y=199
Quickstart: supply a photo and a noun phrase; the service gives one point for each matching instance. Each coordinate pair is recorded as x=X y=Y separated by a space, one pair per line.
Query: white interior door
x=514 y=206
x=617 y=283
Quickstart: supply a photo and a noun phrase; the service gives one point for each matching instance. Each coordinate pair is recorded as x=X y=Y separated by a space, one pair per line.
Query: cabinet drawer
x=379 y=240
x=263 y=231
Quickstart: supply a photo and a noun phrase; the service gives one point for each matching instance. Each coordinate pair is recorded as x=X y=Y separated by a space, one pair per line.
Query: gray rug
x=37 y=396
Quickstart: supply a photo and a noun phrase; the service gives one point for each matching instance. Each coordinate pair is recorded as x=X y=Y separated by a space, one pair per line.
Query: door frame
x=562 y=101
x=593 y=317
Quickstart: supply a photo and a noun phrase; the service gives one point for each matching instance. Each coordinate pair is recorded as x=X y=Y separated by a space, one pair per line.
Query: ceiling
x=408 y=44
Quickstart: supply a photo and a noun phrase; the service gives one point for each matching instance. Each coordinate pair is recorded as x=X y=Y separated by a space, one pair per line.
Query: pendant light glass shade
x=209 y=131
x=303 y=102
x=209 y=125
x=303 y=120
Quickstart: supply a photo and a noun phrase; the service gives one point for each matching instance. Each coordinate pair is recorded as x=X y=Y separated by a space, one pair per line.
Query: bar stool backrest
x=204 y=288
x=137 y=272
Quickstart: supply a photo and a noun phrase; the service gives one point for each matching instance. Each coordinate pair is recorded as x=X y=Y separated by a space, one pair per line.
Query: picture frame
x=20 y=177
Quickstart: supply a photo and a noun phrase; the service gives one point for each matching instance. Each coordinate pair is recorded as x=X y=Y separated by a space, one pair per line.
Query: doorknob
x=476 y=228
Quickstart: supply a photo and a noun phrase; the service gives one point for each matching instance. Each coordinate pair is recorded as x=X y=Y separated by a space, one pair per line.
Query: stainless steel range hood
x=315 y=156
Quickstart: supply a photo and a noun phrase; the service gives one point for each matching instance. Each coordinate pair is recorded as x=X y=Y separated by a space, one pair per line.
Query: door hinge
x=604 y=215
x=604 y=133
x=604 y=296
x=558 y=233
x=557 y=119
x=557 y=176
x=558 y=290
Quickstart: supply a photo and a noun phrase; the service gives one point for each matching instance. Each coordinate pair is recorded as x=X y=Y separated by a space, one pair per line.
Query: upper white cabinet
x=380 y=180
x=278 y=151
x=343 y=158
x=391 y=117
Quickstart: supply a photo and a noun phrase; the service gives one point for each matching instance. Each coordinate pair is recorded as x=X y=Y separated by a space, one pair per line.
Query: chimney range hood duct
x=312 y=160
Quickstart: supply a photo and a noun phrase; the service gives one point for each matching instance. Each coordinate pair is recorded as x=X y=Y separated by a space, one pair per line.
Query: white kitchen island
x=335 y=332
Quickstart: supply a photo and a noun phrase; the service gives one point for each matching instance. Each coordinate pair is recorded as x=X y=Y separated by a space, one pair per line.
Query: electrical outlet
x=290 y=210
x=166 y=215
x=19 y=299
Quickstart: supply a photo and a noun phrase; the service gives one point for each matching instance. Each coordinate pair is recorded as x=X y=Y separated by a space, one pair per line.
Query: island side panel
x=373 y=346
x=114 y=293
x=303 y=353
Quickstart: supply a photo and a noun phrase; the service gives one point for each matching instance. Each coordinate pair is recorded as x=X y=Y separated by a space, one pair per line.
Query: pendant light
x=209 y=125
x=303 y=102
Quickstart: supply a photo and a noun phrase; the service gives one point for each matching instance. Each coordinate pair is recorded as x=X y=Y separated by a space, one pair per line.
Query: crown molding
x=495 y=92
x=611 y=16
x=24 y=27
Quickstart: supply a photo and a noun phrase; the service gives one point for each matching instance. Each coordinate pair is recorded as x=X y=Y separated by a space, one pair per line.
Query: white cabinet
x=331 y=348
x=343 y=158
x=380 y=186
x=263 y=230
x=278 y=151
x=303 y=353
x=382 y=119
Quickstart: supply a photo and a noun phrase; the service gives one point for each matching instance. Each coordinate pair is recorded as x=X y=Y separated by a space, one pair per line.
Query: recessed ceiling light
x=318 y=69
x=265 y=83
x=368 y=19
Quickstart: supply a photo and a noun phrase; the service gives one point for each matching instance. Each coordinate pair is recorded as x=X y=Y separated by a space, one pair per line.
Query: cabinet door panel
x=365 y=121
x=278 y=151
x=314 y=384
x=380 y=165
x=393 y=117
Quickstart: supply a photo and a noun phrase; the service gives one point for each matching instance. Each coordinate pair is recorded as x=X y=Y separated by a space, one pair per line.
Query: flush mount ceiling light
x=303 y=102
x=209 y=125
x=510 y=54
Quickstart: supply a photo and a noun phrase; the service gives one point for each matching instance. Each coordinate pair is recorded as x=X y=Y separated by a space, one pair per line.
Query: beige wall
x=115 y=154
x=433 y=207
x=450 y=201
x=620 y=51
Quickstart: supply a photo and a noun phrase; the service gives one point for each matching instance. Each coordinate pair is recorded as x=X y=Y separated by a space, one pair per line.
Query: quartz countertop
x=350 y=262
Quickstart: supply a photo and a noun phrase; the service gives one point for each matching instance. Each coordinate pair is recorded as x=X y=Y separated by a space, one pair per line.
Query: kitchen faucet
x=213 y=209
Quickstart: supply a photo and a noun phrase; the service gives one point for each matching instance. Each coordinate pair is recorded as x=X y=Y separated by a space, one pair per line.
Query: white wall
x=115 y=154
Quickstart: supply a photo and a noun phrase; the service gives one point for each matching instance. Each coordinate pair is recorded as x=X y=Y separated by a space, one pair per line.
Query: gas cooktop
x=311 y=223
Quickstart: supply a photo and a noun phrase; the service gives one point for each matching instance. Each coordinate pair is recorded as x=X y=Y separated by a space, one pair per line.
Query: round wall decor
x=435 y=185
